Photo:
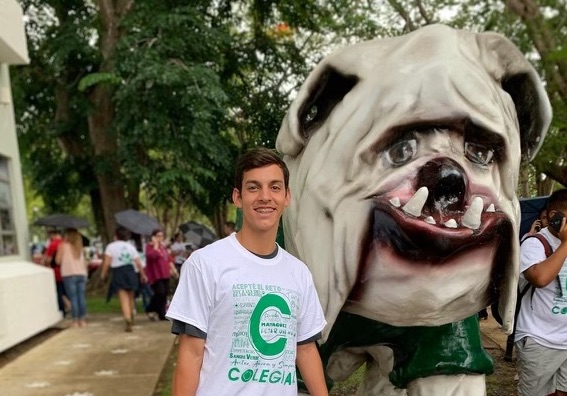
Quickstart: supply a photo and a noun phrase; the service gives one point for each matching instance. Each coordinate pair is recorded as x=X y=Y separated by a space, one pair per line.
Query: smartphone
x=555 y=221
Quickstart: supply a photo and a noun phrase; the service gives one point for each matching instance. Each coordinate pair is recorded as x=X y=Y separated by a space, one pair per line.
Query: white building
x=28 y=299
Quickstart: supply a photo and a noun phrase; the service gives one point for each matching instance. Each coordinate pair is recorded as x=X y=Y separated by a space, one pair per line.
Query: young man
x=245 y=309
x=541 y=332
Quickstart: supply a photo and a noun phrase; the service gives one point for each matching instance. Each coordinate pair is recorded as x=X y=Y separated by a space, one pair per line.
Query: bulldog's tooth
x=395 y=202
x=429 y=220
x=451 y=223
x=415 y=204
x=471 y=218
x=490 y=208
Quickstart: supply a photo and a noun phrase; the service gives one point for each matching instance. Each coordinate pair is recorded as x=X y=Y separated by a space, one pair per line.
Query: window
x=8 y=245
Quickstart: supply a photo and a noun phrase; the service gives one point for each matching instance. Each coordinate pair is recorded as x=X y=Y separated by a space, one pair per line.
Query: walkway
x=98 y=360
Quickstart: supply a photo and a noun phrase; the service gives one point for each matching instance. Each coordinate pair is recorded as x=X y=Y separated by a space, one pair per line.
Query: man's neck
x=258 y=243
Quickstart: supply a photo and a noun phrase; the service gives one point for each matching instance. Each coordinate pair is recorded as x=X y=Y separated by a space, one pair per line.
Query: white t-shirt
x=121 y=253
x=254 y=311
x=178 y=249
x=543 y=317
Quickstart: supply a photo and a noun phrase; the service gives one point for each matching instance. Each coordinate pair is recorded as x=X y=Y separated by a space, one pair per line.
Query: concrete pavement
x=98 y=360
x=492 y=334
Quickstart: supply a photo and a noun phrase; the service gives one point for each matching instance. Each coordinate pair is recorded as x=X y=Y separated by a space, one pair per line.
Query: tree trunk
x=103 y=138
x=219 y=218
x=524 y=182
x=107 y=166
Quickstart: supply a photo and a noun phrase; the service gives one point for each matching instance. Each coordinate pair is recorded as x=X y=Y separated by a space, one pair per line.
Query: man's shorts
x=542 y=370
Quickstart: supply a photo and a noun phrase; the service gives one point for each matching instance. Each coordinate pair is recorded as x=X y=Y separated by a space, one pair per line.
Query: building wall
x=28 y=299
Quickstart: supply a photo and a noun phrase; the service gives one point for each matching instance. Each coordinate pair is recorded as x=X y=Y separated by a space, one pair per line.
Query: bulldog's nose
x=447 y=183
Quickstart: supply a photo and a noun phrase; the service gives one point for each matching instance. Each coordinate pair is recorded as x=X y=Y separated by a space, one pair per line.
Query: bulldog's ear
x=519 y=78
x=323 y=90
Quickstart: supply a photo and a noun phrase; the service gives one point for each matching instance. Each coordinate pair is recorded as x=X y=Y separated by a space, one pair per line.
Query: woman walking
x=121 y=256
x=159 y=268
x=74 y=272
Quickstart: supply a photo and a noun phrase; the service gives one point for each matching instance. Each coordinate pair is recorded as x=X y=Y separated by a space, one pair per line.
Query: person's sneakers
x=128 y=327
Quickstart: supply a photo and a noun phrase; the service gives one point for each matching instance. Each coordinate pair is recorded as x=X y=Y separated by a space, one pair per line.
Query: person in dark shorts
x=121 y=257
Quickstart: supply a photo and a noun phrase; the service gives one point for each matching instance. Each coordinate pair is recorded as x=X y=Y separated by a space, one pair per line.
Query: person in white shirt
x=541 y=331
x=246 y=311
x=121 y=257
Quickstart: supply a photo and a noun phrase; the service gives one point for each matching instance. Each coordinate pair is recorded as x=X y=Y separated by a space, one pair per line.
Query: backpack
x=521 y=293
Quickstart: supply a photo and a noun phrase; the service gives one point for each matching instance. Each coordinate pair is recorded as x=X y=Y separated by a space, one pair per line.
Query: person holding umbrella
x=74 y=272
x=159 y=268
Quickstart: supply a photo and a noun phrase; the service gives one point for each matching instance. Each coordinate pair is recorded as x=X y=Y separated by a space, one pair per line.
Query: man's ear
x=236 y=198
x=287 y=196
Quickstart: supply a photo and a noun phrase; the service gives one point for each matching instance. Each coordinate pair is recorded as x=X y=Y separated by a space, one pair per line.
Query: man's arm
x=189 y=362
x=544 y=272
x=309 y=363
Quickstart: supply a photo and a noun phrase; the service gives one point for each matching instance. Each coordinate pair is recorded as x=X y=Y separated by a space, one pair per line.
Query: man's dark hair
x=230 y=224
x=123 y=234
x=258 y=157
x=557 y=201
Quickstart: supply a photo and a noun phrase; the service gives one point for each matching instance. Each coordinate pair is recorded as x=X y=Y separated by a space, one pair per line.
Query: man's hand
x=562 y=234
x=536 y=226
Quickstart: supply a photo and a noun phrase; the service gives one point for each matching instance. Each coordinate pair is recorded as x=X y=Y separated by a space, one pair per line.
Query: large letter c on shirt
x=269 y=350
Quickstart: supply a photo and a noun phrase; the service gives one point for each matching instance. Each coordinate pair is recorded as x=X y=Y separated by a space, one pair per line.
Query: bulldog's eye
x=479 y=154
x=401 y=152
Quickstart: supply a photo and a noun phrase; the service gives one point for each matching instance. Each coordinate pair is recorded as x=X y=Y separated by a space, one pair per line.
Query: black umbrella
x=137 y=222
x=197 y=234
x=530 y=209
x=62 y=221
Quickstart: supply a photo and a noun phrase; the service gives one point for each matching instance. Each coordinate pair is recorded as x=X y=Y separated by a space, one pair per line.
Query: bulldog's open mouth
x=443 y=232
x=440 y=220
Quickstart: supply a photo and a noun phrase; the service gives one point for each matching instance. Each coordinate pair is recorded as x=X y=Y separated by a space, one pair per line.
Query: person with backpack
x=541 y=330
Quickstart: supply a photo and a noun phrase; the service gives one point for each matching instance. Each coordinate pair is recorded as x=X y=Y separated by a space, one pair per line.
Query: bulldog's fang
x=490 y=209
x=429 y=220
x=415 y=204
x=451 y=223
x=395 y=202
x=471 y=218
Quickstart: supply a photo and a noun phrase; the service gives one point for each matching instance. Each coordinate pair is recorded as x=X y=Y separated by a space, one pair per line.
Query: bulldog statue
x=404 y=156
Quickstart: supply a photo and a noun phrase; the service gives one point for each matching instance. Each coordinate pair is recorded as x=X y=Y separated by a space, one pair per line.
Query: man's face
x=262 y=199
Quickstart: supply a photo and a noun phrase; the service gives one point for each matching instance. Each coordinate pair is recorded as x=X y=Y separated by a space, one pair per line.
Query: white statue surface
x=404 y=155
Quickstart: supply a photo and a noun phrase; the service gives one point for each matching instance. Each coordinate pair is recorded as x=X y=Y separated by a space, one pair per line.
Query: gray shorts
x=542 y=370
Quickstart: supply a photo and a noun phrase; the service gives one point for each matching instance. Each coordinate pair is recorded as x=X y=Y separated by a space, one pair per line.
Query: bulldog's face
x=404 y=156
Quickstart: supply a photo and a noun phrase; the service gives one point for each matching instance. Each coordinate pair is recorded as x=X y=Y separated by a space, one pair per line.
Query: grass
x=98 y=304
x=164 y=385
x=350 y=386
